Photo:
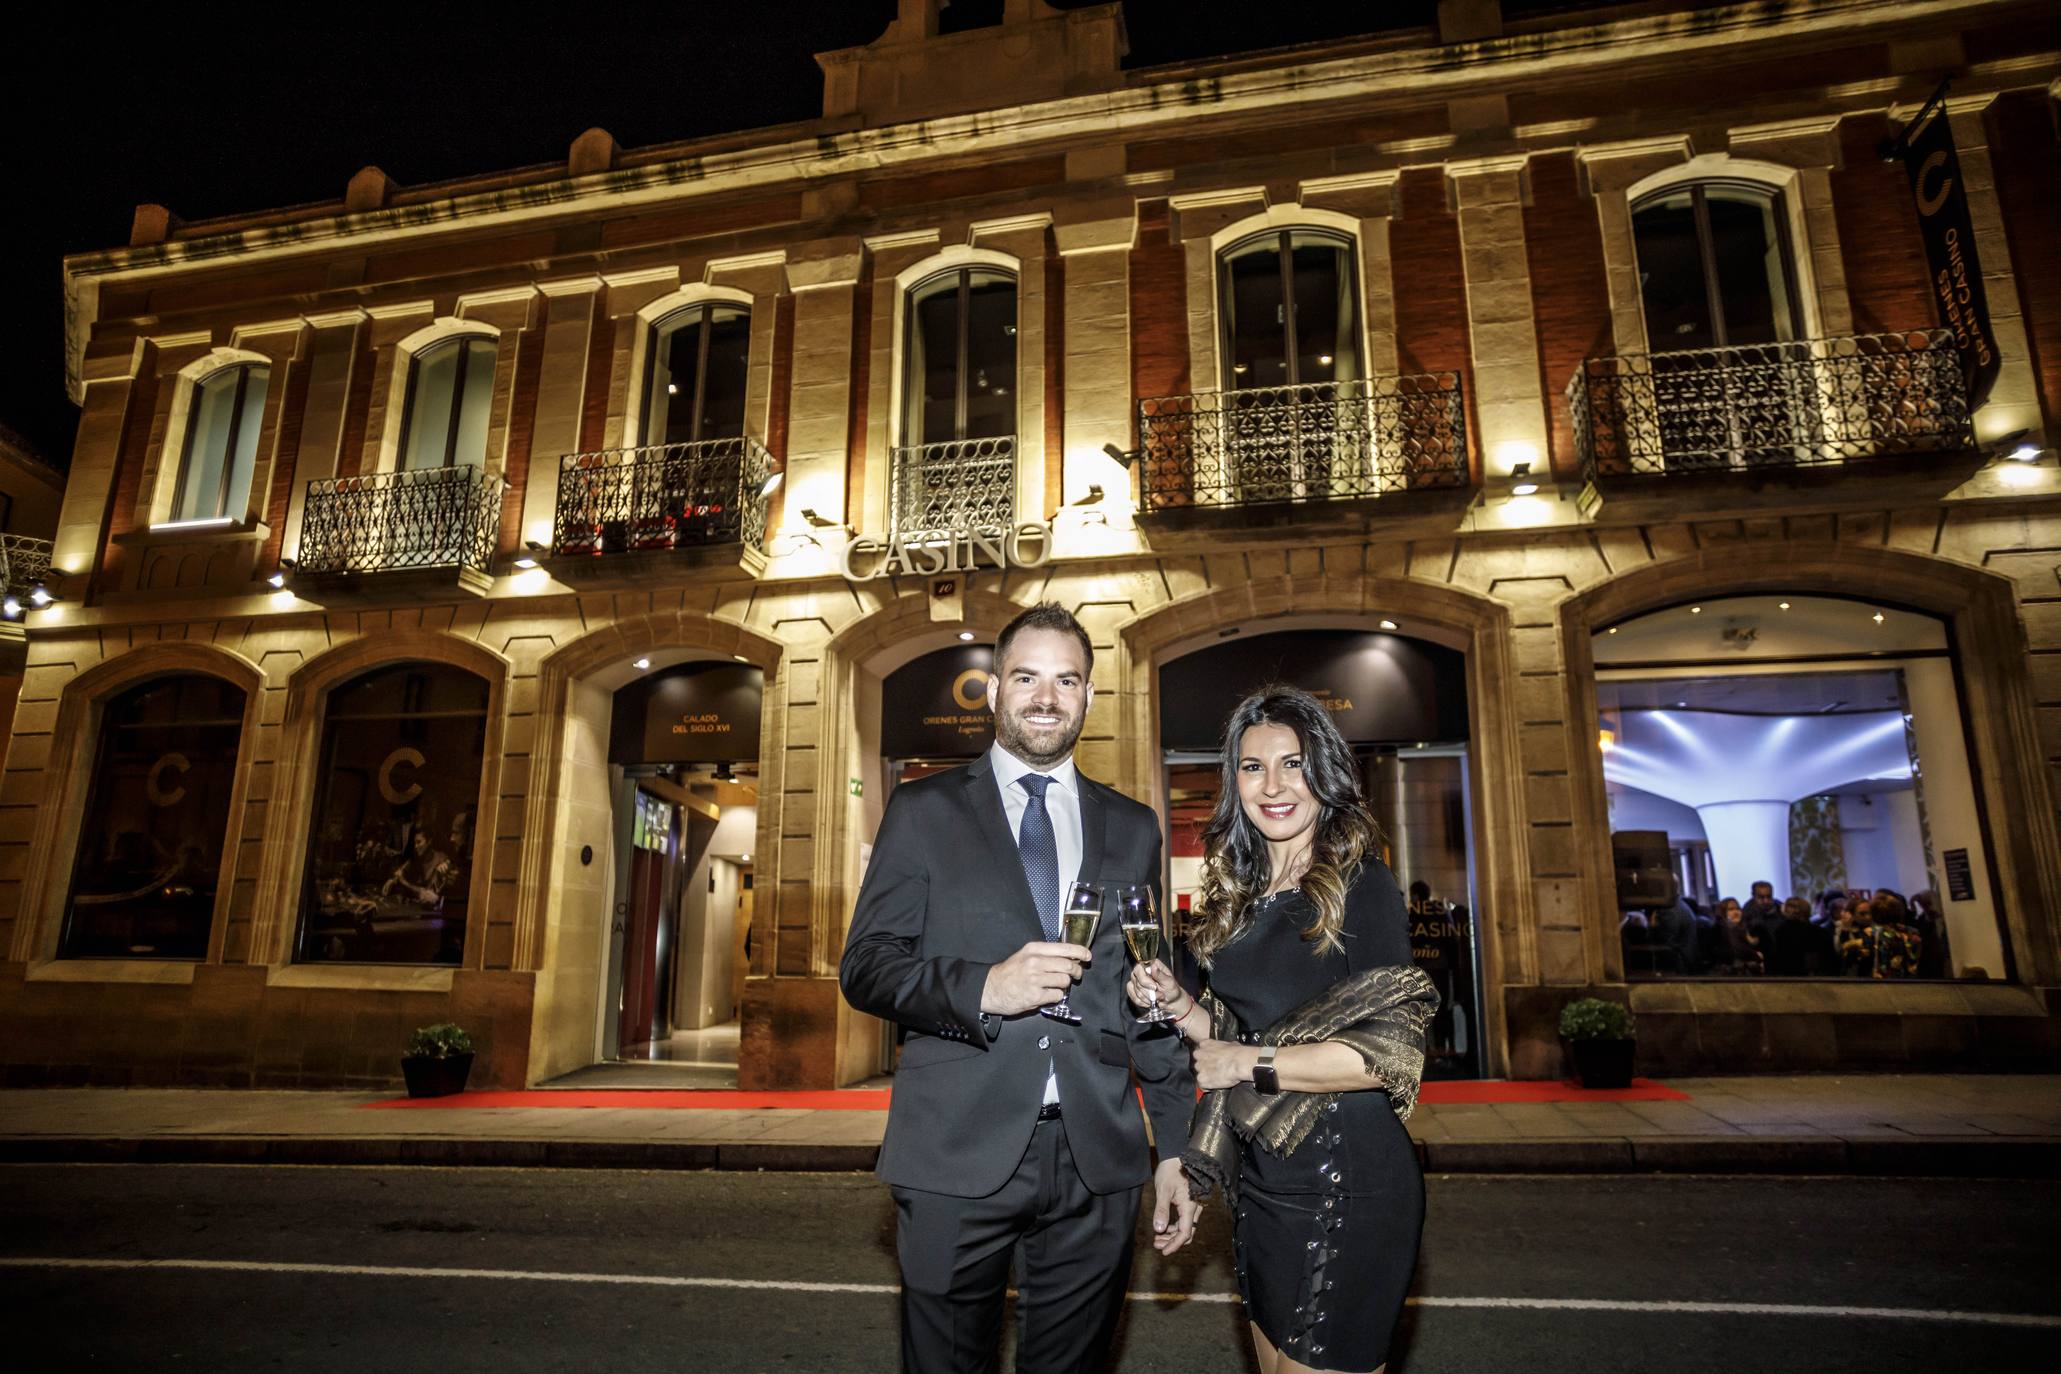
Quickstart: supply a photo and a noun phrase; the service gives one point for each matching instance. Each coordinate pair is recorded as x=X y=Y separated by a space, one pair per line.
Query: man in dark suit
x=1009 y=1126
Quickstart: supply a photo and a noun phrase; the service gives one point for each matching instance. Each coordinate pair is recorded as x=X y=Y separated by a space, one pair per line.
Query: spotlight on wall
x=1521 y=483
x=1126 y=457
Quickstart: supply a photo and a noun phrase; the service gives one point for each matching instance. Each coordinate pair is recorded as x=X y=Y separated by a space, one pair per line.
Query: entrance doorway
x=684 y=824
x=1400 y=702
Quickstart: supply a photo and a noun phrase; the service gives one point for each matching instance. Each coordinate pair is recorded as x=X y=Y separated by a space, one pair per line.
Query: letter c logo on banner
x=1929 y=205
x=153 y=781
x=400 y=796
x=970 y=690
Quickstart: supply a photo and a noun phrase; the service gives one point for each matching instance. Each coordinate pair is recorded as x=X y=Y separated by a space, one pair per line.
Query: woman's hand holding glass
x=1153 y=978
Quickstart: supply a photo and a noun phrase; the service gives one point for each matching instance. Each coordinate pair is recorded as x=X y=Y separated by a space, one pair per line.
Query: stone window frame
x=890 y=391
x=165 y=463
x=652 y=315
x=1621 y=176
x=401 y=374
x=67 y=781
x=290 y=818
x=1206 y=331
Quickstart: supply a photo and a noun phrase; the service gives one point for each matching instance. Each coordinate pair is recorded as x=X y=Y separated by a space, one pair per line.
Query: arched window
x=1714 y=266
x=1288 y=309
x=450 y=390
x=157 y=814
x=695 y=389
x=391 y=857
x=956 y=470
x=227 y=411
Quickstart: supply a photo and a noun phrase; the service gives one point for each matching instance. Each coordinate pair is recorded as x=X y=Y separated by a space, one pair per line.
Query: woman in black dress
x=1294 y=900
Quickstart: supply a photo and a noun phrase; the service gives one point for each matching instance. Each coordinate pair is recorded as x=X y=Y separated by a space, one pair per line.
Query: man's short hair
x=1046 y=615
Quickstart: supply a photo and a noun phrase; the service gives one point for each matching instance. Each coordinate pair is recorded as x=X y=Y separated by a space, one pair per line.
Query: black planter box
x=436 y=1077
x=1603 y=1063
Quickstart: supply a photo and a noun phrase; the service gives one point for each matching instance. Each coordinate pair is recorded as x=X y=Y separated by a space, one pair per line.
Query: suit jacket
x=944 y=900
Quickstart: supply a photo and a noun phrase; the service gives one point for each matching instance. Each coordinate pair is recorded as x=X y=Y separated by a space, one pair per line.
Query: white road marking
x=409 y=1271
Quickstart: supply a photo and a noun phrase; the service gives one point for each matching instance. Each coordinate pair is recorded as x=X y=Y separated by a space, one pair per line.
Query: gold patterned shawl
x=1381 y=1013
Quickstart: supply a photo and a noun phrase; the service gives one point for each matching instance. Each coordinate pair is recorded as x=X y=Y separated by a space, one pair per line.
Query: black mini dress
x=1326 y=1238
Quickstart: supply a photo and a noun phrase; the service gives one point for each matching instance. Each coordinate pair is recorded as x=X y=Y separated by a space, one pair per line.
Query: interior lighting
x=1695 y=610
x=1324 y=359
x=1782 y=606
x=1521 y=483
x=1606 y=740
x=641 y=664
x=1612 y=630
x=1387 y=624
x=672 y=388
x=1878 y=617
x=965 y=636
x=740 y=658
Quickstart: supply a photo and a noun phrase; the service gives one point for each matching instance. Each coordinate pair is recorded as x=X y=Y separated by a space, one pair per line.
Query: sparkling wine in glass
x=1078 y=918
x=1145 y=934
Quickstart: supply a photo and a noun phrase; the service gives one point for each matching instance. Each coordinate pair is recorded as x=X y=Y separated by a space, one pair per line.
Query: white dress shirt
x=1063 y=805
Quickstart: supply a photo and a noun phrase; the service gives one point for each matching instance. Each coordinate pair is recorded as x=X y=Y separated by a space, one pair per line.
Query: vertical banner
x=1927 y=148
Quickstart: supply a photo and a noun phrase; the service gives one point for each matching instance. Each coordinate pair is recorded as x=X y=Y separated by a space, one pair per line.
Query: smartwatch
x=1265 y=1079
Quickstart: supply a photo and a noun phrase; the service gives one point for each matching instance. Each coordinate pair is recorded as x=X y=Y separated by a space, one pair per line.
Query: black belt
x=1049 y=1112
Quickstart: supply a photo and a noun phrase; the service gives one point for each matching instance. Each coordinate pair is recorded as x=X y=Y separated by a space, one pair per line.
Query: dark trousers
x=955 y=1255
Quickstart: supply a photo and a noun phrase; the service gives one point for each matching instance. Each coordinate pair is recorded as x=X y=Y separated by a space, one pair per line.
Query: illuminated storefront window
x=391 y=860
x=1791 y=795
x=150 y=849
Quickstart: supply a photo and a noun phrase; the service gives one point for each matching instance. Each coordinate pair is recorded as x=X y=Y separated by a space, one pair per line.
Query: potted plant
x=1600 y=1041
x=438 y=1061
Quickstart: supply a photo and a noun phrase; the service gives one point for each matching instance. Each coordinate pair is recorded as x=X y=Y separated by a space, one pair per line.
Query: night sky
x=215 y=111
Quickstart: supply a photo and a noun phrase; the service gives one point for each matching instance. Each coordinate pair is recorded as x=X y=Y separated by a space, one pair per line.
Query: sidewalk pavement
x=1920 y=1125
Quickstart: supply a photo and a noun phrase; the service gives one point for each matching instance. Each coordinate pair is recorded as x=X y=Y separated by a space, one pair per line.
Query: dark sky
x=216 y=111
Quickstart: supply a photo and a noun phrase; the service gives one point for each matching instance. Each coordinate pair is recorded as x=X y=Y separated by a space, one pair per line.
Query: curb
x=1933 y=1157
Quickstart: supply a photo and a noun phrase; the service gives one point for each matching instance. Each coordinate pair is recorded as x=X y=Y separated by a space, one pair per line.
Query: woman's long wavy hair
x=1235 y=866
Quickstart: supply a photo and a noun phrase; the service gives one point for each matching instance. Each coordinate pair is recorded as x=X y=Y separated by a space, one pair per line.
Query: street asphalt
x=173 y=1267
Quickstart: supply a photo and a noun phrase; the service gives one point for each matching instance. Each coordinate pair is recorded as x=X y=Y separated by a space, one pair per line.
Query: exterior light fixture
x=2025 y=453
x=278 y=579
x=1611 y=631
x=641 y=664
x=11 y=607
x=1695 y=610
x=1781 y=605
x=672 y=388
x=41 y=595
x=525 y=563
x=1877 y=617
x=965 y=636
x=1387 y=624
x=1125 y=457
x=772 y=481
x=1521 y=483
x=740 y=658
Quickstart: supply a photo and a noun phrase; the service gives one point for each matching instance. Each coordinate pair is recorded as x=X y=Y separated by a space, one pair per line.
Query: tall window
x=450 y=390
x=221 y=444
x=699 y=360
x=391 y=858
x=961 y=357
x=157 y=812
x=1288 y=309
x=1714 y=267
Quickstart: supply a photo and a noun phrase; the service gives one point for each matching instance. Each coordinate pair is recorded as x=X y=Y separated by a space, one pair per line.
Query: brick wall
x=1563 y=243
x=128 y=473
x=522 y=427
x=780 y=401
x=293 y=410
x=2026 y=157
x=1886 y=274
x=1431 y=289
x=860 y=393
x=594 y=395
x=1159 y=306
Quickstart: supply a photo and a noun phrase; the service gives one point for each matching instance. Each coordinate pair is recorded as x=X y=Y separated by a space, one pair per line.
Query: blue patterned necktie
x=1039 y=850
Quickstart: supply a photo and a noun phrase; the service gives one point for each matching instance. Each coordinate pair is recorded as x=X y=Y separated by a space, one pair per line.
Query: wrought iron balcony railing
x=664 y=496
x=389 y=521
x=967 y=485
x=1808 y=403
x=1329 y=441
x=24 y=563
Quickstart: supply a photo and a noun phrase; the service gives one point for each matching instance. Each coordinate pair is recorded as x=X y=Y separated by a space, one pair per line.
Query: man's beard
x=1039 y=749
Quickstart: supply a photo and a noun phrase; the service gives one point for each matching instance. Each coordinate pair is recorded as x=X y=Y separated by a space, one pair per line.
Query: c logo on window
x=153 y=782
x=970 y=689
x=399 y=796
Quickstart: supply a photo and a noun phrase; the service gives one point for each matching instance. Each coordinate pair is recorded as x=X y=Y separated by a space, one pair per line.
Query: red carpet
x=875 y=1099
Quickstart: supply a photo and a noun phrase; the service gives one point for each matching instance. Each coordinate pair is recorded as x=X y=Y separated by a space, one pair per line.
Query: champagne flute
x=1078 y=918
x=1145 y=934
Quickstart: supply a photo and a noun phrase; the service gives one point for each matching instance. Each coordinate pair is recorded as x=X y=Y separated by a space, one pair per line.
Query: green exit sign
x=858 y=788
